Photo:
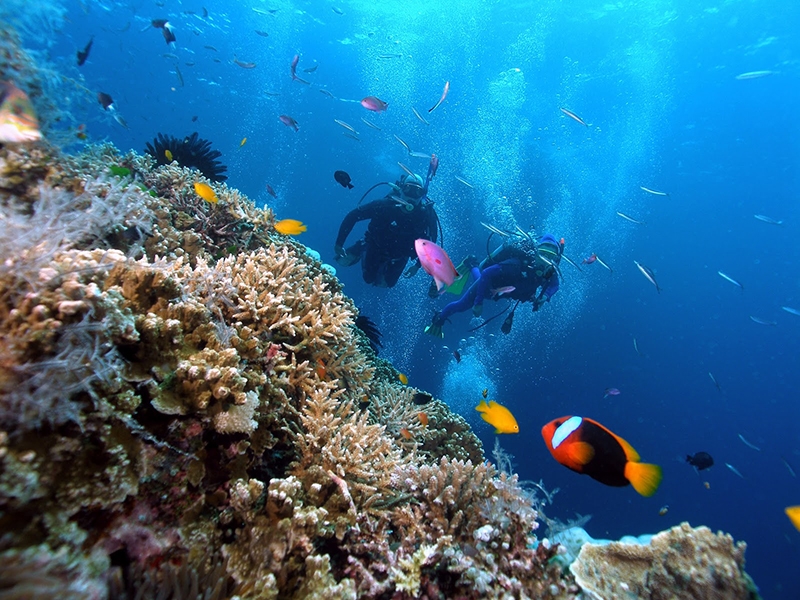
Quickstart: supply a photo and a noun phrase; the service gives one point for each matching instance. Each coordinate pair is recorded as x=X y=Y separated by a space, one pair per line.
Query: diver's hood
x=412 y=186
x=550 y=248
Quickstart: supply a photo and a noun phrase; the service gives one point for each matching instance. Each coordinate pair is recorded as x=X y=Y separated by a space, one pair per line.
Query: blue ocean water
x=657 y=83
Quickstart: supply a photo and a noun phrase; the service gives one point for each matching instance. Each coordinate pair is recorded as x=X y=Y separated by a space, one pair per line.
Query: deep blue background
x=656 y=82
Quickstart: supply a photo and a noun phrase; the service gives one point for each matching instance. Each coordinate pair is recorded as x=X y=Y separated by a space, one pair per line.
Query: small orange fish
x=168 y=154
x=204 y=191
x=290 y=227
x=406 y=433
x=322 y=372
x=403 y=378
x=423 y=418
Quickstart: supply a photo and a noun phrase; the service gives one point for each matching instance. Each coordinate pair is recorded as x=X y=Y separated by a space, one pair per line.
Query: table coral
x=681 y=563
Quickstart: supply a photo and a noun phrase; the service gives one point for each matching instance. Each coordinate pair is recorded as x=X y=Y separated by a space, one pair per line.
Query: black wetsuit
x=389 y=240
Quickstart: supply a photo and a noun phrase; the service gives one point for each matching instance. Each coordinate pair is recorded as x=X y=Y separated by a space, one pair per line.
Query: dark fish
x=700 y=460
x=244 y=65
x=457 y=355
x=343 y=179
x=310 y=69
x=166 y=29
x=371 y=330
x=105 y=100
x=420 y=398
x=211 y=48
x=205 y=12
x=262 y=33
x=194 y=118
x=84 y=54
x=271 y=192
x=364 y=404
x=337 y=10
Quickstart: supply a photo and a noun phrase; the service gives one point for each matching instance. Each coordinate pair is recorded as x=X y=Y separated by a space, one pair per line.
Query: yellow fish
x=403 y=378
x=168 y=154
x=793 y=512
x=243 y=142
x=205 y=192
x=290 y=227
x=498 y=417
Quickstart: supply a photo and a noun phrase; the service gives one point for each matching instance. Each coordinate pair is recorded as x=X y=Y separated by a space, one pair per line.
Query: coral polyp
x=191 y=151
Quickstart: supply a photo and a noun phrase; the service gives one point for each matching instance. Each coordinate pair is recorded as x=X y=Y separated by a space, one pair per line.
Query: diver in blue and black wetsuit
x=520 y=270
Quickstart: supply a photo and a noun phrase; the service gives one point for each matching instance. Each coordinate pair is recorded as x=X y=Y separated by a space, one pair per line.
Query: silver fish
x=464 y=181
x=768 y=220
x=631 y=219
x=351 y=136
x=419 y=155
x=732 y=468
x=572 y=115
x=762 y=321
x=604 y=264
x=345 y=125
x=402 y=142
x=791 y=310
x=754 y=75
x=370 y=124
x=788 y=466
x=647 y=272
x=406 y=169
x=419 y=116
x=327 y=93
x=748 y=444
x=714 y=379
x=654 y=192
x=731 y=279
x=636 y=347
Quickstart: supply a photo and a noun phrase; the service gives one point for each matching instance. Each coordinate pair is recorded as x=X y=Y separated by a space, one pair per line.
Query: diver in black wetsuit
x=395 y=222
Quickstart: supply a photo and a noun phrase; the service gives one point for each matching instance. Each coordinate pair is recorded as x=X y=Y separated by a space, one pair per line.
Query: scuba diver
x=520 y=269
x=395 y=221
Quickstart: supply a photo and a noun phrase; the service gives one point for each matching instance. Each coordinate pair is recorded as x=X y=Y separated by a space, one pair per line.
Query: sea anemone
x=191 y=151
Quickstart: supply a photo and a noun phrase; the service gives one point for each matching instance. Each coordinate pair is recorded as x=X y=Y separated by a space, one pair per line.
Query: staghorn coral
x=681 y=563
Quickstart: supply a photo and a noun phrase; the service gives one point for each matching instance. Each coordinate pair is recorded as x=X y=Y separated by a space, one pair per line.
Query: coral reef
x=191 y=151
x=681 y=563
x=189 y=409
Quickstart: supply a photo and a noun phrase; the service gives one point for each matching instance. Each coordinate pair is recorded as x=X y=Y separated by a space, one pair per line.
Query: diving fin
x=464 y=268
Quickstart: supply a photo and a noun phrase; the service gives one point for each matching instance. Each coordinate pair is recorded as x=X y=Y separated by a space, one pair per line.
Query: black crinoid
x=191 y=151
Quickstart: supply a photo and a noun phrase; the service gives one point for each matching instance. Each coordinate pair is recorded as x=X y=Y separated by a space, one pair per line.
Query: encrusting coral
x=683 y=563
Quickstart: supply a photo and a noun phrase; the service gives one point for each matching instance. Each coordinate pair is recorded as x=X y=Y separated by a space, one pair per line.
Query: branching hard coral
x=191 y=151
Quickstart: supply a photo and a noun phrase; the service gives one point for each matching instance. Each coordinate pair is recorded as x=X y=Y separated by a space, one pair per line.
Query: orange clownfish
x=587 y=447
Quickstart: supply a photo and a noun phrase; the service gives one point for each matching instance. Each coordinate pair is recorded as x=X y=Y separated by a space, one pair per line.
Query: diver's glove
x=470 y=262
x=538 y=303
x=412 y=269
x=435 y=328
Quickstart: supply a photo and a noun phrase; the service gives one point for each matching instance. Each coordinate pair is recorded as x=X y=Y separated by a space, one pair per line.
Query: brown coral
x=681 y=563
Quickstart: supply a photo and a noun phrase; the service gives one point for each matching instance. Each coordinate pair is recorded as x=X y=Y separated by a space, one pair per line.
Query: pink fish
x=289 y=122
x=611 y=392
x=436 y=263
x=433 y=166
x=590 y=259
x=374 y=104
x=506 y=289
